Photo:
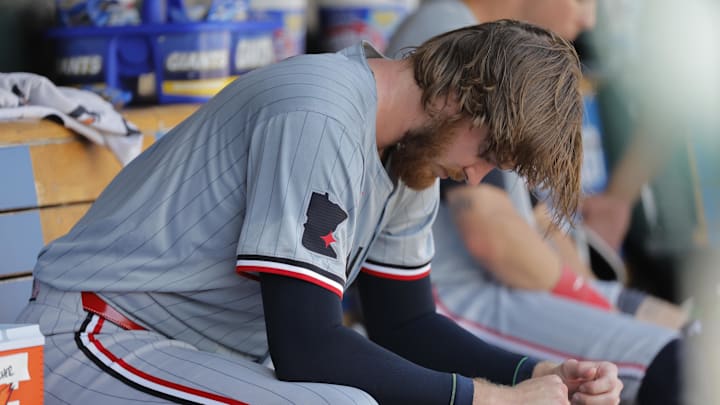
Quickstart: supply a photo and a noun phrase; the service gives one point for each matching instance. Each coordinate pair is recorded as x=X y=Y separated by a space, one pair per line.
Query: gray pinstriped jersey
x=278 y=173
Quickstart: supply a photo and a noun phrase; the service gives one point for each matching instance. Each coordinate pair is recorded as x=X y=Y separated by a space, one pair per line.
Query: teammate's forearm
x=642 y=159
x=561 y=243
x=521 y=259
x=512 y=250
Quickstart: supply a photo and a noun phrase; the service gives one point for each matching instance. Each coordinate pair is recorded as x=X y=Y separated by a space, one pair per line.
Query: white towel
x=29 y=96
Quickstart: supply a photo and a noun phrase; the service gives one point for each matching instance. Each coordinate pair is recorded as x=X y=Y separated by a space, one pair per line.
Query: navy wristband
x=464 y=390
x=524 y=370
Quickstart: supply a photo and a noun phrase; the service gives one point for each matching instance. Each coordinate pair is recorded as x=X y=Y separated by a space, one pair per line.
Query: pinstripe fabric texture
x=244 y=186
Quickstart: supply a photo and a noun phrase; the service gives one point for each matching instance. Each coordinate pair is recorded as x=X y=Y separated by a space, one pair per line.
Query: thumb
x=575 y=370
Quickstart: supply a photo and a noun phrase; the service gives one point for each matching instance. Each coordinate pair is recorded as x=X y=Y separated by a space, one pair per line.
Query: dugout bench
x=49 y=177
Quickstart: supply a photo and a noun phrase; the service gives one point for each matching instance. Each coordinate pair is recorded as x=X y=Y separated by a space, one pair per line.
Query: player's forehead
x=490 y=151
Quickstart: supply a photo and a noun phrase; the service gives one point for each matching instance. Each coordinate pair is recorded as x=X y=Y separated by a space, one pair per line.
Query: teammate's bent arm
x=495 y=234
x=563 y=245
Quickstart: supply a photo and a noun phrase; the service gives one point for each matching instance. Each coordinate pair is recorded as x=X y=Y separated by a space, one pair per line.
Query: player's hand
x=588 y=382
x=608 y=216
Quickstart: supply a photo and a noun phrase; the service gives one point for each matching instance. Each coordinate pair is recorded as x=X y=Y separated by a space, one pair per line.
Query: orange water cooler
x=21 y=364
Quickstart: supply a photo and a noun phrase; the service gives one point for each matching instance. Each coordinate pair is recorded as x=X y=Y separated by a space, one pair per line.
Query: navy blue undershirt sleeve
x=400 y=316
x=309 y=343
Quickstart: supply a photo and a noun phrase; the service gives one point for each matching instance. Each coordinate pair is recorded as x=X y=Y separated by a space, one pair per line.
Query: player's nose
x=475 y=173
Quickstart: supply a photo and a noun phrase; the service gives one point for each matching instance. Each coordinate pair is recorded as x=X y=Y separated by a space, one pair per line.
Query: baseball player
x=234 y=237
x=469 y=287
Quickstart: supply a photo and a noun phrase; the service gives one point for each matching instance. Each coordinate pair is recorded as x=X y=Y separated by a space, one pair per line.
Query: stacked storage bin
x=176 y=55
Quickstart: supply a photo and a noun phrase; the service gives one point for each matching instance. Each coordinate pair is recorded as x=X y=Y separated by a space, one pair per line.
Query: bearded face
x=415 y=158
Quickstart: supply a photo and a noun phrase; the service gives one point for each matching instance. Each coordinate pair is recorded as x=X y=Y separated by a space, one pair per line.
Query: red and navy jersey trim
x=395 y=271
x=291 y=268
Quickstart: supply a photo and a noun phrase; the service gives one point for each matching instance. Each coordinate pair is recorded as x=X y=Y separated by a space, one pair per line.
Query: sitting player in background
x=497 y=276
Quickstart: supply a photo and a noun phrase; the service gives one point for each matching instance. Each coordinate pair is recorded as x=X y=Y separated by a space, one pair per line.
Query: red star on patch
x=328 y=239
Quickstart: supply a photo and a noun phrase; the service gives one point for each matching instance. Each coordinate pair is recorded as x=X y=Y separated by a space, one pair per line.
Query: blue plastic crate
x=169 y=63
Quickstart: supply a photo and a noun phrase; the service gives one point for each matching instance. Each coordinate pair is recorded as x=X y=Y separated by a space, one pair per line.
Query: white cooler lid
x=15 y=336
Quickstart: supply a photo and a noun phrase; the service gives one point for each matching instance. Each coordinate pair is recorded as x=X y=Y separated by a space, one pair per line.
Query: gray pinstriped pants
x=89 y=360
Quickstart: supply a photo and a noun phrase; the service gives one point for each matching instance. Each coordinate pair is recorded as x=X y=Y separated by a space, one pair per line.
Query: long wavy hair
x=523 y=82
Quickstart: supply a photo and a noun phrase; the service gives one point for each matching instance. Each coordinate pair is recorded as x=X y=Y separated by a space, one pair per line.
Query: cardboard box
x=21 y=364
